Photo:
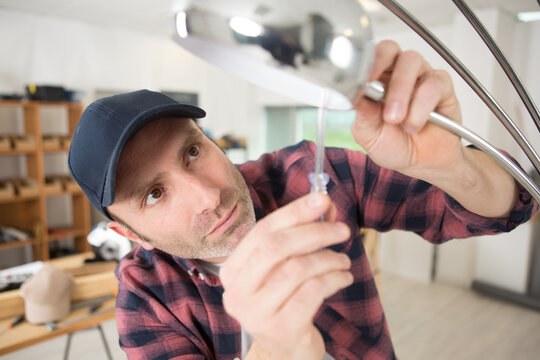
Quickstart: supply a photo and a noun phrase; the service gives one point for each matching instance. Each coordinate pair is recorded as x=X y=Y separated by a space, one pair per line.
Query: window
x=288 y=125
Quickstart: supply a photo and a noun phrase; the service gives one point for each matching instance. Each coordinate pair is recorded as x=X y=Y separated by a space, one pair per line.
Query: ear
x=125 y=232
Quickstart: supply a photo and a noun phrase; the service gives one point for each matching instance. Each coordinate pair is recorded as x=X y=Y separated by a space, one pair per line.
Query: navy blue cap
x=104 y=129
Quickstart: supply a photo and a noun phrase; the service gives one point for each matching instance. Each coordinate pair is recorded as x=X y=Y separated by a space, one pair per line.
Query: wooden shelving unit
x=29 y=213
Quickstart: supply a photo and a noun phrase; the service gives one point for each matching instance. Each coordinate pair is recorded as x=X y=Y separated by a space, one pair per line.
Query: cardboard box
x=26 y=187
x=66 y=142
x=23 y=142
x=5 y=143
x=52 y=142
x=53 y=185
x=69 y=184
x=7 y=190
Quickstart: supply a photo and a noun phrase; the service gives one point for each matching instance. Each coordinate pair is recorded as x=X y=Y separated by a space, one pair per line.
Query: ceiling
x=155 y=16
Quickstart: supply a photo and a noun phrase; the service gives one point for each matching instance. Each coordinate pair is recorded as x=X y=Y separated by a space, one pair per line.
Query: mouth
x=225 y=222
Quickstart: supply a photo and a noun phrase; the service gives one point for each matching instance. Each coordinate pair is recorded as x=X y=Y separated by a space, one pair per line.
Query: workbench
x=92 y=281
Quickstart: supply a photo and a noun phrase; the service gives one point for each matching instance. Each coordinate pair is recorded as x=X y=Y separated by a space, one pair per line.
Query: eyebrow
x=193 y=135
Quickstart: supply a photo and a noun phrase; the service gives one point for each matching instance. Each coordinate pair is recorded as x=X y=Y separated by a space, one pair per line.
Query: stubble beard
x=224 y=244
x=204 y=246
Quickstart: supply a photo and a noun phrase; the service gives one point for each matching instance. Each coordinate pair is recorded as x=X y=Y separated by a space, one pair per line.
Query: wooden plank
x=4 y=102
x=26 y=334
x=92 y=268
x=16 y=152
x=16 y=244
x=93 y=286
x=72 y=261
x=86 y=286
x=67 y=232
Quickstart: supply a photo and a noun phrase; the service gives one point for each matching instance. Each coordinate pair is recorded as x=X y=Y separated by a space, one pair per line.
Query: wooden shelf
x=56 y=151
x=67 y=104
x=4 y=102
x=18 y=152
x=70 y=104
x=16 y=199
x=25 y=212
x=16 y=244
x=64 y=192
x=67 y=232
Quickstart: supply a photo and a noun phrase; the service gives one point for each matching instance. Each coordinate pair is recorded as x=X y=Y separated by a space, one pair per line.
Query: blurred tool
x=19 y=319
x=319 y=178
x=107 y=244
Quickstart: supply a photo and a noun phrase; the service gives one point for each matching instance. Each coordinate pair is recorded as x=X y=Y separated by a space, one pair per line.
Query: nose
x=203 y=195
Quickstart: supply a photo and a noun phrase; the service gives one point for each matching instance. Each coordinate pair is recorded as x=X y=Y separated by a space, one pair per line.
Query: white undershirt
x=247 y=339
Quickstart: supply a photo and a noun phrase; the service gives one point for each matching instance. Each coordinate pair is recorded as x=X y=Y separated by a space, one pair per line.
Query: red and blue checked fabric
x=170 y=308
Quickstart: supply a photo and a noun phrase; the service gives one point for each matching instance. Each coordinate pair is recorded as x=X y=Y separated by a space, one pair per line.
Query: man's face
x=178 y=192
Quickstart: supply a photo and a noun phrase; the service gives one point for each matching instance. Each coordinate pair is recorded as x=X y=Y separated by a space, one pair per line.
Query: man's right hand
x=277 y=278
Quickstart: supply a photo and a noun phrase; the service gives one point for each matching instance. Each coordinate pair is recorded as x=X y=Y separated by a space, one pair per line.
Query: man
x=232 y=261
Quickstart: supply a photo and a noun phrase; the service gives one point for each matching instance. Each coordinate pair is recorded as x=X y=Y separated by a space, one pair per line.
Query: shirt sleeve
x=142 y=335
x=389 y=200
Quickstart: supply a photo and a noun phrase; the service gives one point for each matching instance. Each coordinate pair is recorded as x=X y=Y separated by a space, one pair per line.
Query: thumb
x=368 y=122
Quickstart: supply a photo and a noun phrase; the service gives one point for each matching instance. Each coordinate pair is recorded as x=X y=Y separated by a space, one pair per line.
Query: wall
x=39 y=49
x=47 y=50
x=501 y=260
x=405 y=253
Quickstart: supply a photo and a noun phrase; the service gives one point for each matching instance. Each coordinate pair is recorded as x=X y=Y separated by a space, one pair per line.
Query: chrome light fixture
x=302 y=48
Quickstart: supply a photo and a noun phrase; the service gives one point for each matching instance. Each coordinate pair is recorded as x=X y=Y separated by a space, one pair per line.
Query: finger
x=287 y=277
x=331 y=214
x=386 y=53
x=287 y=243
x=408 y=68
x=304 y=303
x=425 y=100
x=303 y=210
x=368 y=122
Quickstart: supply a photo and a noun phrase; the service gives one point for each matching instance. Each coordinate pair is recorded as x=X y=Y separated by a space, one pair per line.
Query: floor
x=428 y=322
x=443 y=322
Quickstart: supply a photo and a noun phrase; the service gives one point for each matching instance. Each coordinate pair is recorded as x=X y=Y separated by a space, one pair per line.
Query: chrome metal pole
x=458 y=66
x=498 y=54
x=375 y=90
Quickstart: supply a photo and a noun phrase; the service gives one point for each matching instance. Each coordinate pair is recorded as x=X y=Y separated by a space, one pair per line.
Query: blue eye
x=154 y=196
x=193 y=152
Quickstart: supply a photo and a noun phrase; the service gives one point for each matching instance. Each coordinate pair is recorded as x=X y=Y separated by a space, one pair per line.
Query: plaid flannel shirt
x=168 y=307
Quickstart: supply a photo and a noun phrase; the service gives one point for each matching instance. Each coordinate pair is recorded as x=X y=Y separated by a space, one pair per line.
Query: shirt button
x=236 y=358
x=201 y=276
x=190 y=273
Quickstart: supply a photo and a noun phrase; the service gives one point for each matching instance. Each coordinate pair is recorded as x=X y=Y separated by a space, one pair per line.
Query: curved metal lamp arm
x=375 y=90
x=453 y=61
x=496 y=51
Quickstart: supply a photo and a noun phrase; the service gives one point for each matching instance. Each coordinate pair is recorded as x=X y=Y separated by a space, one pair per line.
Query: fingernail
x=315 y=200
x=393 y=111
